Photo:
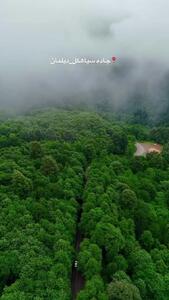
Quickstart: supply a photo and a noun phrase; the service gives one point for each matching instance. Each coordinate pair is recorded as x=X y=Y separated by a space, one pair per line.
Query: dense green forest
x=63 y=171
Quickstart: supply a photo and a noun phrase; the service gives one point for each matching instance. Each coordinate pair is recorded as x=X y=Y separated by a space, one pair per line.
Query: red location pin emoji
x=113 y=59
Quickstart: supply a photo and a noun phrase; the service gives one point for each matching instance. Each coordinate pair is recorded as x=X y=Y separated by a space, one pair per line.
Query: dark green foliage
x=35 y=149
x=49 y=166
x=63 y=170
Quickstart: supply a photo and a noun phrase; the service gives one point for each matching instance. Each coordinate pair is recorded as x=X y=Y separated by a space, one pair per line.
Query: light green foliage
x=21 y=184
x=120 y=290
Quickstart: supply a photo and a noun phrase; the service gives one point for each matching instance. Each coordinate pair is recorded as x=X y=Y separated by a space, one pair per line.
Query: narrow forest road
x=77 y=278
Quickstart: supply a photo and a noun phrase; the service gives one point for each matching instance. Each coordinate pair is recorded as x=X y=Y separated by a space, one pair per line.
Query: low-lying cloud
x=32 y=32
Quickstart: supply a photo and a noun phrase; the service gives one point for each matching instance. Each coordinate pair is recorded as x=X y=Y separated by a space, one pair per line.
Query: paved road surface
x=77 y=279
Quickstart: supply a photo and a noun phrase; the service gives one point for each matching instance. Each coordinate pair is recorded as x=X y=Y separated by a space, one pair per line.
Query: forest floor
x=144 y=148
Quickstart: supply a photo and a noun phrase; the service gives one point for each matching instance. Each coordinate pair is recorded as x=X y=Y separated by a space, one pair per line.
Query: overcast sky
x=33 y=31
